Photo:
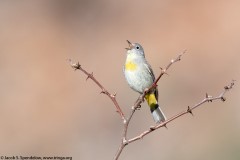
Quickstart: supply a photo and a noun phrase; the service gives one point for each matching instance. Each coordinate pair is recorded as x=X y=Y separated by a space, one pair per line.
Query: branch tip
x=180 y=56
x=183 y=52
x=230 y=86
x=75 y=66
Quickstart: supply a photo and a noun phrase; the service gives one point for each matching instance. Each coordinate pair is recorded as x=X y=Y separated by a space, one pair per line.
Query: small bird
x=139 y=76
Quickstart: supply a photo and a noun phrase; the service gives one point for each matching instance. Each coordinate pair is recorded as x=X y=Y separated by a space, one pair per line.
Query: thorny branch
x=77 y=66
x=189 y=109
x=137 y=104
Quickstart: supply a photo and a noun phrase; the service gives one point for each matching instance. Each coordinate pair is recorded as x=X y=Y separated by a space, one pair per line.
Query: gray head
x=135 y=48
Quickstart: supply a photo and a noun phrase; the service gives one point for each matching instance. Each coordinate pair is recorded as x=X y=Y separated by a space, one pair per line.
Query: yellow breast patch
x=130 y=66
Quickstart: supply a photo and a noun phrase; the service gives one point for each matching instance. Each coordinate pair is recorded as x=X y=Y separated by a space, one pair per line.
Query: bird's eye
x=137 y=47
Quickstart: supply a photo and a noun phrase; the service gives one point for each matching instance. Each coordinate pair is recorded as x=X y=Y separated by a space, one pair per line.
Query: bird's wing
x=149 y=69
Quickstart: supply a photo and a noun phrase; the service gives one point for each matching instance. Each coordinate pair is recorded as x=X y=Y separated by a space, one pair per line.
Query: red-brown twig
x=77 y=66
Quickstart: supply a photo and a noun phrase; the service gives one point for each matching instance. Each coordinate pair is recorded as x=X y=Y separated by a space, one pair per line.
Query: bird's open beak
x=130 y=45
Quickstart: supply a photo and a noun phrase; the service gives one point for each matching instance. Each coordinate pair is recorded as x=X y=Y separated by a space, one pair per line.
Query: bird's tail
x=158 y=114
x=155 y=109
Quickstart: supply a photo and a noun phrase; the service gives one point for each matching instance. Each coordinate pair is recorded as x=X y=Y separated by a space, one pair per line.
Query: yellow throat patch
x=130 y=66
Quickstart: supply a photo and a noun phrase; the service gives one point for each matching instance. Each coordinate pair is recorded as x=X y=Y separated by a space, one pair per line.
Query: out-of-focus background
x=47 y=109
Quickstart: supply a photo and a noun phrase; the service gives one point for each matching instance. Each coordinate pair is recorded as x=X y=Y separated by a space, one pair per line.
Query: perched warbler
x=139 y=76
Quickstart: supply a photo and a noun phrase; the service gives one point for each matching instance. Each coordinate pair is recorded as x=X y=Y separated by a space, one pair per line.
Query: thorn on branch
x=136 y=107
x=125 y=142
x=179 y=58
x=152 y=128
x=223 y=99
x=77 y=66
x=141 y=136
x=155 y=85
x=164 y=71
x=113 y=95
x=103 y=91
x=146 y=90
x=89 y=76
x=165 y=125
x=189 y=110
x=208 y=97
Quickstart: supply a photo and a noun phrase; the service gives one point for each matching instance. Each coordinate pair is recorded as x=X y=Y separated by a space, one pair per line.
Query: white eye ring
x=137 y=47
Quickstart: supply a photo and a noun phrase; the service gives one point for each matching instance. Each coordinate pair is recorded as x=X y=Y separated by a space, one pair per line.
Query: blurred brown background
x=47 y=109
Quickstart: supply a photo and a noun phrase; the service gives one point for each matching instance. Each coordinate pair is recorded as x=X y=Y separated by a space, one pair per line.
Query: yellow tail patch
x=130 y=66
x=151 y=99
